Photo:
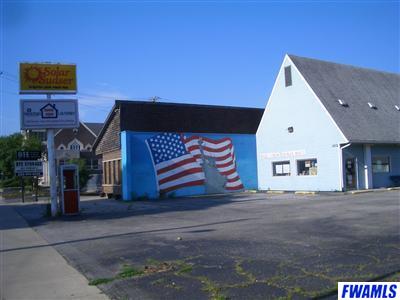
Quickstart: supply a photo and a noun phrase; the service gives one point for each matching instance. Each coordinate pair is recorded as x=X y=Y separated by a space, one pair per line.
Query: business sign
x=28 y=168
x=29 y=155
x=39 y=114
x=41 y=78
x=285 y=154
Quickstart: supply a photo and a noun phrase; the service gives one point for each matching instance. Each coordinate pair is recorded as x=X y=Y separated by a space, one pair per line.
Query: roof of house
x=144 y=116
x=356 y=86
x=95 y=127
x=178 y=117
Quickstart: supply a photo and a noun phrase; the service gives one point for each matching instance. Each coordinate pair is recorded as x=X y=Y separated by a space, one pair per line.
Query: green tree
x=84 y=174
x=9 y=145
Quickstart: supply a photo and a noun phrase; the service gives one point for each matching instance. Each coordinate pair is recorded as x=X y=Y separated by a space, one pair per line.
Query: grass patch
x=239 y=269
x=185 y=268
x=128 y=272
x=212 y=288
x=99 y=281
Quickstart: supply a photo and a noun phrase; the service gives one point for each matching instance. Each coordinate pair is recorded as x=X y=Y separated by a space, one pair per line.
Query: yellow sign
x=47 y=78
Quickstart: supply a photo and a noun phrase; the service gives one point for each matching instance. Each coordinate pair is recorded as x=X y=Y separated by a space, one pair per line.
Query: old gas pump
x=69 y=189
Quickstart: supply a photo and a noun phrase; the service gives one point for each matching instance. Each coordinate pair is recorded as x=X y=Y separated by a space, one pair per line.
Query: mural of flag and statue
x=181 y=161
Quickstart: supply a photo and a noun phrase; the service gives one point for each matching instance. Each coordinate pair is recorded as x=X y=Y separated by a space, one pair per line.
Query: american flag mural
x=223 y=152
x=179 y=161
x=175 y=167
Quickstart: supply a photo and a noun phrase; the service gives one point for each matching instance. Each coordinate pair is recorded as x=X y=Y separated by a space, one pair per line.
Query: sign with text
x=39 y=114
x=46 y=78
x=29 y=155
x=28 y=168
x=285 y=154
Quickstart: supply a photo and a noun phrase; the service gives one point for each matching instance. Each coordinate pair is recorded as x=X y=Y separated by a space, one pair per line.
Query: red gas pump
x=69 y=189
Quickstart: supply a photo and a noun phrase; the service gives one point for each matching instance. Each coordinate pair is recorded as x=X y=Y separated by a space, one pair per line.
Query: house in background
x=78 y=143
x=329 y=127
x=161 y=149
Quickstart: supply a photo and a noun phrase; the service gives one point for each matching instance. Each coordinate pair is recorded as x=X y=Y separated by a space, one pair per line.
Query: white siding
x=315 y=135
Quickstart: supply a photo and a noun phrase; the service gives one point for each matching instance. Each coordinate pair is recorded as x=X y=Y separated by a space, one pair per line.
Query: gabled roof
x=95 y=127
x=356 y=86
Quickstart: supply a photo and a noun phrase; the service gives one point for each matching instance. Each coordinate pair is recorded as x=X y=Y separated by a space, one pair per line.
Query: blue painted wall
x=393 y=151
x=315 y=135
x=138 y=176
x=378 y=179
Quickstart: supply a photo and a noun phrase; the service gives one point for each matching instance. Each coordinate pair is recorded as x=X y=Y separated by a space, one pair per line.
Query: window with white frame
x=307 y=167
x=281 y=168
x=75 y=146
x=380 y=164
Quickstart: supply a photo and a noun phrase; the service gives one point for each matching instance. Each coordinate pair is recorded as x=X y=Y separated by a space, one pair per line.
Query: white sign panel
x=28 y=168
x=284 y=154
x=48 y=113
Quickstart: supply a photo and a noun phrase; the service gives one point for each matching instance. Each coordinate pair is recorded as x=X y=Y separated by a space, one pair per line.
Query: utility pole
x=155 y=99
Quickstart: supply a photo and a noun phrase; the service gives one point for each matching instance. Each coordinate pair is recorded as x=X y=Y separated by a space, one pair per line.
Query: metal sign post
x=52 y=169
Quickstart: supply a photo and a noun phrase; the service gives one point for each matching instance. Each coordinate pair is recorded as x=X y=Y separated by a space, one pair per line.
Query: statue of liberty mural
x=214 y=181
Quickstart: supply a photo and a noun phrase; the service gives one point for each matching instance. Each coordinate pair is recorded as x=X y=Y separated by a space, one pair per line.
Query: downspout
x=341 y=164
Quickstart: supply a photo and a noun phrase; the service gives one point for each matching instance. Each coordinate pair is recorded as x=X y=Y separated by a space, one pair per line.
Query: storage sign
x=39 y=114
x=40 y=78
x=28 y=168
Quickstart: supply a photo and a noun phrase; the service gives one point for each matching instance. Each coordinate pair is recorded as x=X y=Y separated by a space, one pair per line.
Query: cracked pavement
x=242 y=246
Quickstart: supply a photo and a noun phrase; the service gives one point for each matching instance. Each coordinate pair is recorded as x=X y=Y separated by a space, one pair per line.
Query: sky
x=204 y=52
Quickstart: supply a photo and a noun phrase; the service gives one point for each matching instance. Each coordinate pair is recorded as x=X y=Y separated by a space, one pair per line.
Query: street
x=243 y=246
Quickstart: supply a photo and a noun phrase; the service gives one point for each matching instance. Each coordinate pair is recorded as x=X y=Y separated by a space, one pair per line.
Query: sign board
x=38 y=114
x=29 y=155
x=28 y=168
x=47 y=78
x=285 y=154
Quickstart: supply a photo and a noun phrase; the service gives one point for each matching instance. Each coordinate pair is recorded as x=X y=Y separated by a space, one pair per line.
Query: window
x=75 y=146
x=380 y=164
x=307 y=167
x=288 y=76
x=105 y=173
x=281 y=168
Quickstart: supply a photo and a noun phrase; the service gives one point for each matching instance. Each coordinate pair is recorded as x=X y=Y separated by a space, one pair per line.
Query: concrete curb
x=305 y=193
x=275 y=192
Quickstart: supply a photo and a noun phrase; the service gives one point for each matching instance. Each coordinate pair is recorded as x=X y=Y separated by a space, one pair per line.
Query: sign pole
x=52 y=169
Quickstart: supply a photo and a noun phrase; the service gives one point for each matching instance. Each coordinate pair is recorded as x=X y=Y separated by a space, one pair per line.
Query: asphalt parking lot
x=244 y=246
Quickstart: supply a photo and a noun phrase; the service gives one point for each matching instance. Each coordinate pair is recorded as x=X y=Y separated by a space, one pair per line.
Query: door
x=351 y=174
x=70 y=191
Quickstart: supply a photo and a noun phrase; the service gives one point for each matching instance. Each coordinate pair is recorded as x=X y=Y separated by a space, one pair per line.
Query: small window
x=75 y=146
x=307 y=167
x=288 y=76
x=281 y=168
x=380 y=164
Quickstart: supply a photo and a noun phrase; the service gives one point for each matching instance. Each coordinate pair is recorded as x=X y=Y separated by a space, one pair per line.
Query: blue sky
x=214 y=52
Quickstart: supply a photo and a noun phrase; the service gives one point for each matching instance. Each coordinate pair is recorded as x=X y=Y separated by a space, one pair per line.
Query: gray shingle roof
x=95 y=127
x=356 y=86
